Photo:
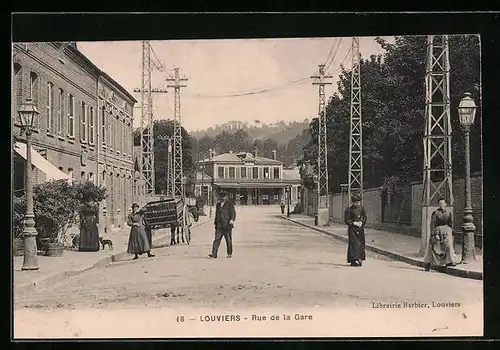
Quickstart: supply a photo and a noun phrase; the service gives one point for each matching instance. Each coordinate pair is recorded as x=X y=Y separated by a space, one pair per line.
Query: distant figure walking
x=138 y=242
x=225 y=215
x=282 y=207
x=439 y=250
x=355 y=219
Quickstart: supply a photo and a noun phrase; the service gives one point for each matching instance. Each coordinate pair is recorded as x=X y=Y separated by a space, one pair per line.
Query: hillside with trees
x=393 y=102
x=288 y=139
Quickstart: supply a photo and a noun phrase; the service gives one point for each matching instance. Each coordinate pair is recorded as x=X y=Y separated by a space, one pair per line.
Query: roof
x=203 y=176
x=240 y=158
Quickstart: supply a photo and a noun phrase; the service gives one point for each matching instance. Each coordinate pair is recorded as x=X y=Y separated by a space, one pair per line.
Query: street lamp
x=466 y=112
x=289 y=189
x=27 y=114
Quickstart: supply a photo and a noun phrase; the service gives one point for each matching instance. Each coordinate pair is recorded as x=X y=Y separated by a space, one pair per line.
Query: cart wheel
x=188 y=236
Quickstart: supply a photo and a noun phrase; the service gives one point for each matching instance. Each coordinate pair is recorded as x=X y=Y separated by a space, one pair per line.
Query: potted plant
x=19 y=210
x=55 y=206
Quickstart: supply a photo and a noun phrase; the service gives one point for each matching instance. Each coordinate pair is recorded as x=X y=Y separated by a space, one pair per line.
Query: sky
x=218 y=68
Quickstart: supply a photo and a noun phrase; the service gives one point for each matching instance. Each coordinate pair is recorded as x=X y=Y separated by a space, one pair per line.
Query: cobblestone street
x=276 y=265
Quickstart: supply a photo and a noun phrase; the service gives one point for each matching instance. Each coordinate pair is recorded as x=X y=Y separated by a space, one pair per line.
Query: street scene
x=277 y=267
x=295 y=190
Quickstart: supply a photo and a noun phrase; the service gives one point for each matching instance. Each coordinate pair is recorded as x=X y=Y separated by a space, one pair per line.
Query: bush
x=56 y=204
x=18 y=212
x=56 y=207
x=87 y=192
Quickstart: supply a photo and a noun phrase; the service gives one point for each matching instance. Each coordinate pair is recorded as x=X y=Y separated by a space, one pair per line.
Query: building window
x=255 y=172
x=91 y=126
x=91 y=177
x=18 y=90
x=50 y=107
x=60 y=113
x=82 y=176
x=220 y=172
x=83 y=123
x=243 y=172
x=34 y=90
x=231 y=172
x=266 y=172
x=103 y=125
x=276 y=173
x=71 y=116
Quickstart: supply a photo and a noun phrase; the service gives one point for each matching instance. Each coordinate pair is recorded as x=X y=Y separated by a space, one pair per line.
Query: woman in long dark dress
x=355 y=219
x=138 y=242
x=439 y=250
x=89 y=228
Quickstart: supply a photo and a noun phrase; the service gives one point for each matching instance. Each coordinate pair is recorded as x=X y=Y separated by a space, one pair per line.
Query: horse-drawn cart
x=170 y=213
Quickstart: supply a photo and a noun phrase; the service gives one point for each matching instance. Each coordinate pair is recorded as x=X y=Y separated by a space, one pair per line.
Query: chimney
x=230 y=152
x=255 y=152
x=274 y=154
x=211 y=154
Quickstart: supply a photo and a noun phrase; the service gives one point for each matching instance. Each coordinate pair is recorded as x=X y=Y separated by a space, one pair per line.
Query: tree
x=393 y=102
x=165 y=128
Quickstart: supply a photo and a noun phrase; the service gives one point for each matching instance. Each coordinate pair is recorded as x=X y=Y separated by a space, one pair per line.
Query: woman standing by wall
x=89 y=228
x=439 y=250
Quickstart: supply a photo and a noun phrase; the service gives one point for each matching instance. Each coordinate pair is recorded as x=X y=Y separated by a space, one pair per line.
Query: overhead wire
x=334 y=55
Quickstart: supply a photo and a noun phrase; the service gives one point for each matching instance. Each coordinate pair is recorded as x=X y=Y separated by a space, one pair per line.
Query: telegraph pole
x=356 y=131
x=322 y=168
x=147 y=137
x=437 y=136
x=169 y=175
x=176 y=83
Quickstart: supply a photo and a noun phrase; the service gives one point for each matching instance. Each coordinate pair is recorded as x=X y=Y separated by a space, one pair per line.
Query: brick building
x=84 y=129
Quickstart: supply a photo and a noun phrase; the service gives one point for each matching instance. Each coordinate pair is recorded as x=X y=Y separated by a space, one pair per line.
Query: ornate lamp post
x=27 y=114
x=466 y=112
x=289 y=190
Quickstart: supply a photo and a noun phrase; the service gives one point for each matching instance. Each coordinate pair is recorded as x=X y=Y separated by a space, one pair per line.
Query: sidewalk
x=396 y=246
x=72 y=263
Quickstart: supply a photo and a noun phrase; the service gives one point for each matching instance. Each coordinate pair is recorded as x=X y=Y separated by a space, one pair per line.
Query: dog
x=106 y=242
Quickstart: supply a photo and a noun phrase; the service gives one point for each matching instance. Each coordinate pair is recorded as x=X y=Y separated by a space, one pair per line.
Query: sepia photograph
x=244 y=188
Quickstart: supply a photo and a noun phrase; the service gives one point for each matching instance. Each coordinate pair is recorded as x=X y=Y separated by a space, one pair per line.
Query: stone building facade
x=84 y=129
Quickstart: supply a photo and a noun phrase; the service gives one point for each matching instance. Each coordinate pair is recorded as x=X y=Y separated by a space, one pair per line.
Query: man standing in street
x=355 y=219
x=225 y=214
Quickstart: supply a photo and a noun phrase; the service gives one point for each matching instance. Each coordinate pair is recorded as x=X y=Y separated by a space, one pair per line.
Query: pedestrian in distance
x=282 y=207
x=225 y=215
x=439 y=249
x=138 y=242
x=355 y=219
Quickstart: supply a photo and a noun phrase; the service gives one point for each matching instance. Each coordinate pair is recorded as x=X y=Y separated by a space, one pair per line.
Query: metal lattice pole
x=179 y=186
x=147 y=140
x=437 y=177
x=356 y=130
x=146 y=158
x=322 y=168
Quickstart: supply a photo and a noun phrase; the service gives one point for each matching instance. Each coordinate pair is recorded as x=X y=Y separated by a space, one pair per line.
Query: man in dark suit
x=225 y=214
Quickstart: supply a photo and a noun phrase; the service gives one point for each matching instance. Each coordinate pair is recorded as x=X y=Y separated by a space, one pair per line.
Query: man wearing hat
x=355 y=219
x=225 y=214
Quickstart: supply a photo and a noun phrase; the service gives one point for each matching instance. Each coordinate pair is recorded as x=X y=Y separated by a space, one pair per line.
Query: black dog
x=106 y=242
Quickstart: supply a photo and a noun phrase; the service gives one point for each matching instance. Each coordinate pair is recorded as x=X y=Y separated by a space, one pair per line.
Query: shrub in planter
x=56 y=205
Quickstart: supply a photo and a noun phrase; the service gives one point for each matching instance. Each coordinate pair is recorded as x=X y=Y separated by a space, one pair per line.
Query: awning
x=252 y=185
x=41 y=163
